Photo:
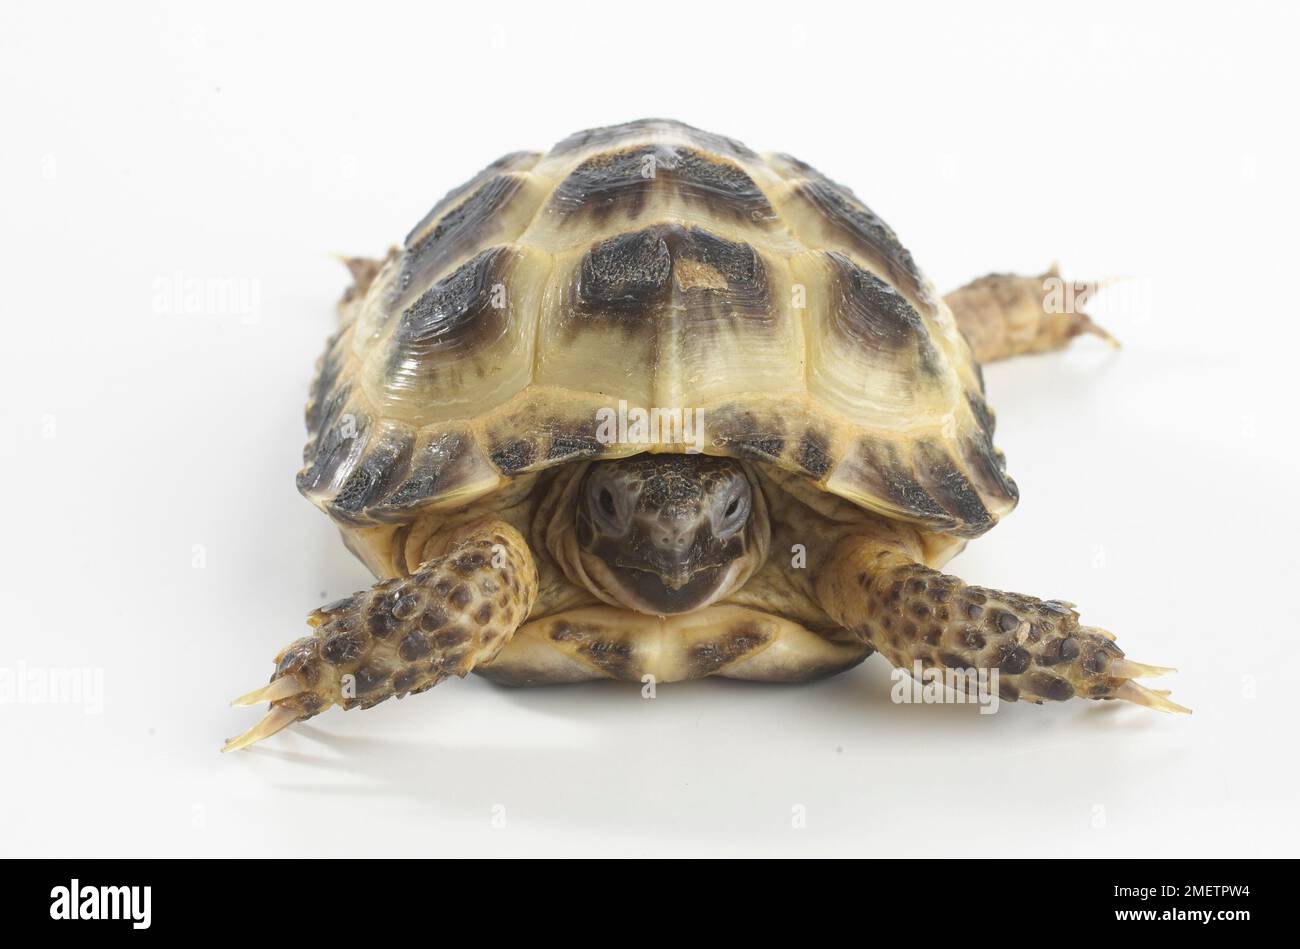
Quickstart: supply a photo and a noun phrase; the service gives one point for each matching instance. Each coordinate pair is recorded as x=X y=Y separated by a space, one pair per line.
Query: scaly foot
x=402 y=636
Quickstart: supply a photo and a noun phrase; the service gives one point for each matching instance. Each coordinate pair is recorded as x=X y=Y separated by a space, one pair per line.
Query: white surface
x=1159 y=483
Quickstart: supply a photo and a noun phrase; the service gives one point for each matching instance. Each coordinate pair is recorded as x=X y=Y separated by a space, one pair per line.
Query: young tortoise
x=479 y=431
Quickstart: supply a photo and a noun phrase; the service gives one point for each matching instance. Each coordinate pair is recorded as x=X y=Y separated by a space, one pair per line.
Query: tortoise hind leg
x=912 y=614
x=405 y=635
x=1005 y=315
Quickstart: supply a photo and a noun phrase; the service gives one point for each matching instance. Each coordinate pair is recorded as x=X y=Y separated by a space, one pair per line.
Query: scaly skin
x=911 y=613
x=404 y=636
x=1005 y=315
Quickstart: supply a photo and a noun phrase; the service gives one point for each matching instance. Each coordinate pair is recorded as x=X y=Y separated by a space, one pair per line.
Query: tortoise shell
x=660 y=266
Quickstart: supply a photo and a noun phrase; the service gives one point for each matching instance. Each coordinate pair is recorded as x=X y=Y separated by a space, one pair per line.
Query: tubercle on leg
x=404 y=635
x=910 y=612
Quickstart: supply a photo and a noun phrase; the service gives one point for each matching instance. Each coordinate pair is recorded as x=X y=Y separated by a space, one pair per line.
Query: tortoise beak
x=678 y=574
x=656 y=592
x=672 y=565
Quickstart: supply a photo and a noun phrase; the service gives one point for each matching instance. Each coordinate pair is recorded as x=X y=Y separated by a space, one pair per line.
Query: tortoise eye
x=608 y=515
x=735 y=512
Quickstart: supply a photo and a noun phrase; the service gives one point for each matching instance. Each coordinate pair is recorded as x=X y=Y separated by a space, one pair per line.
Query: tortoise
x=654 y=406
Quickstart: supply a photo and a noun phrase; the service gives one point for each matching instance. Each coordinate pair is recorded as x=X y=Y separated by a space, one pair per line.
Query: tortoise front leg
x=404 y=635
x=910 y=612
x=1005 y=315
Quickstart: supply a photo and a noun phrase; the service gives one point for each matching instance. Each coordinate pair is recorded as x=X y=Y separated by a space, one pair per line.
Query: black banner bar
x=227 y=897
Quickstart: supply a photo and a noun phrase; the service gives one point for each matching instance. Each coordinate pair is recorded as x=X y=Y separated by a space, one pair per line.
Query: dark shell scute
x=513 y=455
x=874 y=315
x=515 y=161
x=456 y=313
x=813 y=454
x=333 y=451
x=433 y=471
x=951 y=489
x=325 y=383
x=628 y=180
x=632 y=277
x=983 y=414
x=738 y=430
x=988 y=468
x=460 y=232
x=573 y=445
x=626 y=273
x=326 y=415
x=381 y=466
x=887 y=474
x=863 y=229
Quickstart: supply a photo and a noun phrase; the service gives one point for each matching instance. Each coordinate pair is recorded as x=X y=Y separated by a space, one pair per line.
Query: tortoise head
x=669 y=533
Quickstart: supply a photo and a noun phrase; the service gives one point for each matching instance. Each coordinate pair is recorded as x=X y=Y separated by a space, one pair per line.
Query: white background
x=152 y=531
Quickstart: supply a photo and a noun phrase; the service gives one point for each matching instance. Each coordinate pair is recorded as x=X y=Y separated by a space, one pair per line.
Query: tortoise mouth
x=652 y=593
x=648 y=591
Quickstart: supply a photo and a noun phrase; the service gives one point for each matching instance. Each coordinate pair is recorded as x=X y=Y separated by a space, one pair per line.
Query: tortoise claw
x=280 y=717
x=1138 y=694
x=282 y=688
x=1127 y=669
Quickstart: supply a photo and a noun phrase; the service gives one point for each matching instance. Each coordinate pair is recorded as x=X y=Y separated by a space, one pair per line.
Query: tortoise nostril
x=666 y=538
